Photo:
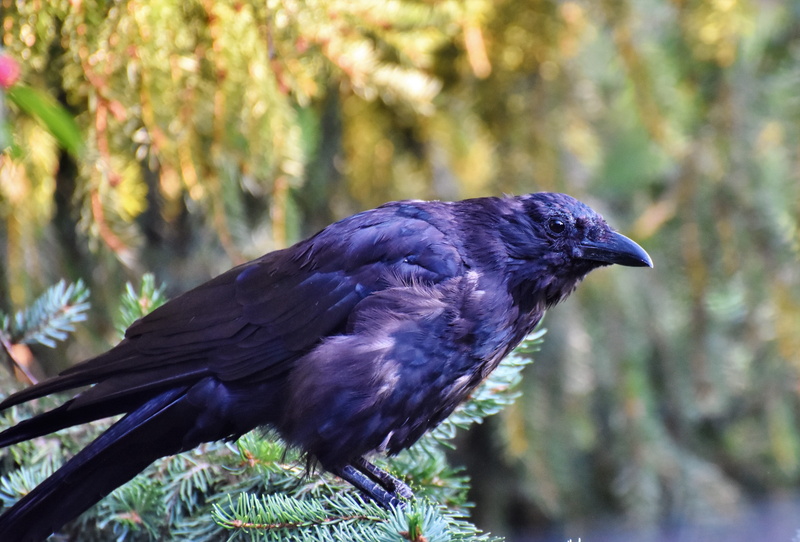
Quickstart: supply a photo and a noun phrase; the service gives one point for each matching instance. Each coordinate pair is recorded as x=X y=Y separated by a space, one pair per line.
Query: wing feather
x=257 y=319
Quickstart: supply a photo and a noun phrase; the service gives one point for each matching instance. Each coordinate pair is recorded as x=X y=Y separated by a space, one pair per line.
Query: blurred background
x=183 y=137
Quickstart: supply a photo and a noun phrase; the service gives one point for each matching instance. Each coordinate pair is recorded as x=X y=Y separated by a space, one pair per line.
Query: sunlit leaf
x=52 y=114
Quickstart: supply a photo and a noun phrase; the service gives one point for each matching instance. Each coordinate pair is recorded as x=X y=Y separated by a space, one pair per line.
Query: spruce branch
x=278 y=517
x=135 y=304
x=50 y=318
x=136 y=507
x=281 y=517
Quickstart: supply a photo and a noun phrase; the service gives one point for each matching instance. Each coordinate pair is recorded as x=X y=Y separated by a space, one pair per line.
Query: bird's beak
x=616 y=249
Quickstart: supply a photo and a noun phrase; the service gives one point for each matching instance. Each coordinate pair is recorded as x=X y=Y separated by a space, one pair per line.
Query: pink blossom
x=9 y=71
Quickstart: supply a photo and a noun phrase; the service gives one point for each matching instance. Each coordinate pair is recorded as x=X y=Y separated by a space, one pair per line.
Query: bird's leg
x=377 y=484
x=367 y=486
x=386 y=480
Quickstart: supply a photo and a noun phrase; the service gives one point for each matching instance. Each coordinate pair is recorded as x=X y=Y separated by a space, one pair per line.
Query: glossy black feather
x=356 y=340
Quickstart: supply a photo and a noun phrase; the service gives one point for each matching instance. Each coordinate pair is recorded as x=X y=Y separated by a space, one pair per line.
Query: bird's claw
x=375 y=483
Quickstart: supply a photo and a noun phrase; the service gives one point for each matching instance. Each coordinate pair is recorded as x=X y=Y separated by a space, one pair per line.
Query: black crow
x=355 y=341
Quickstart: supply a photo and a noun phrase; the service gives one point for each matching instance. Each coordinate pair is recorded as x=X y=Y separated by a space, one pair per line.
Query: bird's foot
x=385 y=479
x=377 y=484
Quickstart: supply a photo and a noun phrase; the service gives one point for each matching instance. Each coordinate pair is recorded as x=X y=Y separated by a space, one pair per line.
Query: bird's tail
x=59 y=418
x=155 y=429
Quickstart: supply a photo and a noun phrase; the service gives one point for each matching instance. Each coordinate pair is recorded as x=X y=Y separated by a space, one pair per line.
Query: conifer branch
x=50 y=318
x=135 y=304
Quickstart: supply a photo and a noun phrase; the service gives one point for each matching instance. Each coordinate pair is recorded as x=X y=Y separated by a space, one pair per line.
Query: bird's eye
x=556 y=225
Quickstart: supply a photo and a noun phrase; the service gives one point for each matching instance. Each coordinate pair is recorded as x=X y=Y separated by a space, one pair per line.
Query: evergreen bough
x=50 y=318
x=254 y=488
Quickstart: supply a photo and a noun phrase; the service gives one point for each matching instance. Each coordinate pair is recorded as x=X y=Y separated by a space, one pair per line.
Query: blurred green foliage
x=213 y=131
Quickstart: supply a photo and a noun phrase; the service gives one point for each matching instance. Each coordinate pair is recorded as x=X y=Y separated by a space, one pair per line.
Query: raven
x=354 y=341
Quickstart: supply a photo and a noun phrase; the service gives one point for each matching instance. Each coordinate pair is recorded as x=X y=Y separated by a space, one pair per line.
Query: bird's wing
x=415 y=353
x=255 y=320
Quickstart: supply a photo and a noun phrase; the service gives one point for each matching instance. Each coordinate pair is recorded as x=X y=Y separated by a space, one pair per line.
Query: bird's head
x=557 y=240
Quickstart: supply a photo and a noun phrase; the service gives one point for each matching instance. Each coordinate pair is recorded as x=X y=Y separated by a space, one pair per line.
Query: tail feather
x=59 y=418
x=155 y=429
x=46 y=387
